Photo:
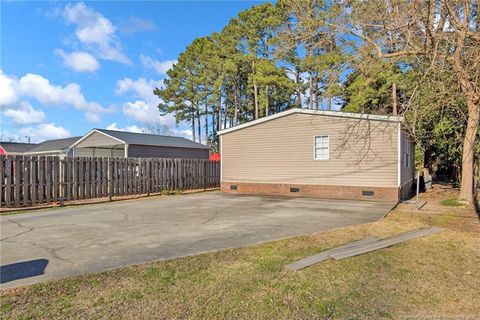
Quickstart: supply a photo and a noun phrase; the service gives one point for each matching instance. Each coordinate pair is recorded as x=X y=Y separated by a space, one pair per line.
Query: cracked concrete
x=94 y=238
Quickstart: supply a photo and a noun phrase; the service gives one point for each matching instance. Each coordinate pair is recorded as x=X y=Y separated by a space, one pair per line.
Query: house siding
x=363 y=153
x=139 y=151
x=97 y=139
x=99 y=152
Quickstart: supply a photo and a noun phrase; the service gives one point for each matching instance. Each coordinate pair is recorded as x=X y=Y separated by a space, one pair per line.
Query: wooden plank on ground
x=387 y=242
x=324 y=255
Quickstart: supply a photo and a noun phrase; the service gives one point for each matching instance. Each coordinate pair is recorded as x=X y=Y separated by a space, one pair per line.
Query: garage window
x=322 y=151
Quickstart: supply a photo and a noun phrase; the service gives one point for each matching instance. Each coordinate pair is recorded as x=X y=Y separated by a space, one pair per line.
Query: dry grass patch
x=436 y=275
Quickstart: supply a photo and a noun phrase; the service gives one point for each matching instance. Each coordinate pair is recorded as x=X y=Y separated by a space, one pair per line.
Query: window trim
x=315 y=147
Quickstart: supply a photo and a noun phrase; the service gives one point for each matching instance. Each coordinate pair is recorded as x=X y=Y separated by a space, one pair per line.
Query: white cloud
x=23 y=113
x=144 y=109
x=8 y=94
x=141 y=88
x=45 y=131
x=79 y=61
x=39 y=88
x=134 y=24
x=133 y=128
x=160 y=67
x=95 y=32
x=141 y=111
x=92 y=117
x=186 y=133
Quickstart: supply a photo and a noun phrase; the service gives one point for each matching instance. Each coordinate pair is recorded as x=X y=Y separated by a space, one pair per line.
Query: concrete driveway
x=56 y=243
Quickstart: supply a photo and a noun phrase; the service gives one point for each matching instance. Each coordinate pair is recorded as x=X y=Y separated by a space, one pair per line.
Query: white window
x=322 y=151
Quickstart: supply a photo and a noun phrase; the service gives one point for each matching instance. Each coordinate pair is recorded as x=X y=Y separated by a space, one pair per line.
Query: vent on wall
x=368 y=193
x=233 y=187
x=294 y=190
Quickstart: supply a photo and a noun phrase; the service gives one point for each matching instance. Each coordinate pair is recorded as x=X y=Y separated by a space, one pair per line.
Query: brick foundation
x=314 y=191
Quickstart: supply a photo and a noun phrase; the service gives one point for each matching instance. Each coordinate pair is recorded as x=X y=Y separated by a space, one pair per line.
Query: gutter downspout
x=221 y=160
x=399 y=161
x=126 y=150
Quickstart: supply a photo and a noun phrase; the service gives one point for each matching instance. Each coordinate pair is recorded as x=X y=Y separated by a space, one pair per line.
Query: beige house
x=325 y=154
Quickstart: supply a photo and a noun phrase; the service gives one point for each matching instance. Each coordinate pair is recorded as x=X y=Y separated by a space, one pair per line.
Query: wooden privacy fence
x=30 y=180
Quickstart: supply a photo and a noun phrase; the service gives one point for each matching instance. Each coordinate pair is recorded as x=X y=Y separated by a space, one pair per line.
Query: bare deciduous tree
x=440 y=34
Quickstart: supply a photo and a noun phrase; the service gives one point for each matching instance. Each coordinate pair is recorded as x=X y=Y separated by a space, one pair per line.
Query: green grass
x=436 y=275
x=452 y=202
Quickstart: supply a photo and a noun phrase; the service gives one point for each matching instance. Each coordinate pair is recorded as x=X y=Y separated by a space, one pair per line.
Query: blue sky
x=67 y=67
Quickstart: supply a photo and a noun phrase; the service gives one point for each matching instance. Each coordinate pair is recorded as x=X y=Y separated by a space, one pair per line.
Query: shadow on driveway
x=22 y=270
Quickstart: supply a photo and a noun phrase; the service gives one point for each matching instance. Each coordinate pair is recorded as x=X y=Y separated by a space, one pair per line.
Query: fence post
x=110 y=179
x=8 y=186
x=147 y=163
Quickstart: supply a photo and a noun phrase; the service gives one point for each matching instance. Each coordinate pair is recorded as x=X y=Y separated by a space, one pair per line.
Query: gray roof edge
x=55 y=145
x=339 y=114
x=124 y=135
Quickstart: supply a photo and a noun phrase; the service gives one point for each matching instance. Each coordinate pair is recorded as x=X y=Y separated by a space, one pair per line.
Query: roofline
x=362 y=116
x=181 y=147
x=27 y=153
x=92 y=132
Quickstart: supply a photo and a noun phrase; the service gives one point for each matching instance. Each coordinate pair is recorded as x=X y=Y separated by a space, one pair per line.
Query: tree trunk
x=266 y=100
x=214 y=123
x=329 y=95
x=193 y=127
x=199 y=124
x=311 y=91
x=466 y=187
x=394 y=99
x=225 y=116
x=206 y=123
x=235 y=102
x=299 y=94
x=219 y=114
x=473 y=101
x=255 y=93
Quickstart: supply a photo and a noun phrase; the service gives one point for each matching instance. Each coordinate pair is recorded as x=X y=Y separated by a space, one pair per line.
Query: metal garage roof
x=54 y=145
x=149 y=139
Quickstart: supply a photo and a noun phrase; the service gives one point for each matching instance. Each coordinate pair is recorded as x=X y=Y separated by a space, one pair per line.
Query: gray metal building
x=111 y=143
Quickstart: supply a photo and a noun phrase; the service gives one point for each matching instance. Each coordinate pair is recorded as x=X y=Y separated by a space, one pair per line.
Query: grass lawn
x=433 y=276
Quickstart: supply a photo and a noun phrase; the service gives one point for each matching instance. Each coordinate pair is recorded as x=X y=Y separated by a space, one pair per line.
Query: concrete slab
x=77 y=240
